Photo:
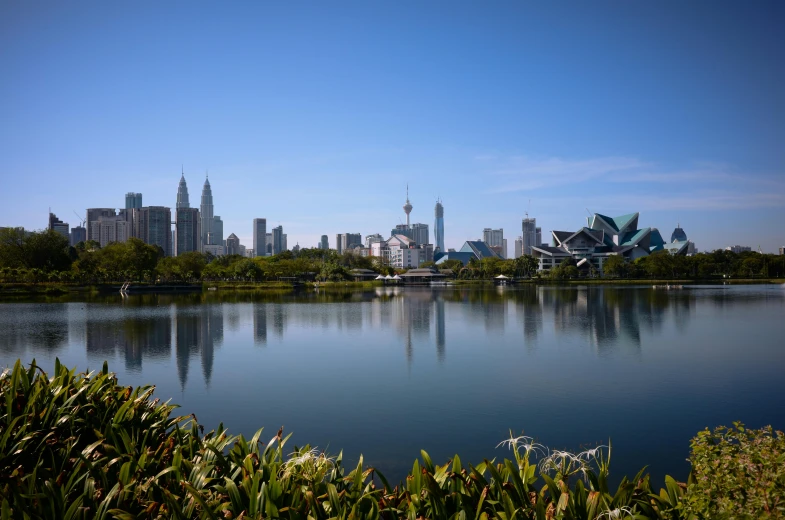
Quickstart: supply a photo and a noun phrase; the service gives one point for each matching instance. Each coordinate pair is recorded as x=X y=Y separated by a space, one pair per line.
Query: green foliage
x=46 y=251
x=81 y=446
x=737 y=473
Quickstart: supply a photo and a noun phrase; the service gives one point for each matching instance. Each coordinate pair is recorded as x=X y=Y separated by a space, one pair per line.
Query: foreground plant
x=81 y=446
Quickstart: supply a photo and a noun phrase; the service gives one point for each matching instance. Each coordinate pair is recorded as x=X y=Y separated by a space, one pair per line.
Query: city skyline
x=573 y=107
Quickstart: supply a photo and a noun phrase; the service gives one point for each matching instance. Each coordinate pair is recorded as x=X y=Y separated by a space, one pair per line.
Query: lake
x=390 y=371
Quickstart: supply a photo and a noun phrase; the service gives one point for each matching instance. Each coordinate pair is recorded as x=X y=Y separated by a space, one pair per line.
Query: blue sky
x=316 y=115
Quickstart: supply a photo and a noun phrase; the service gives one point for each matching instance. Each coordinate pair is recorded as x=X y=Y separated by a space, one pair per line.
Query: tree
x=44 y=250
x=614 y=265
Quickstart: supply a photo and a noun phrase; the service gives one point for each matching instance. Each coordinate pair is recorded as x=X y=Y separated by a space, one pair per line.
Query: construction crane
x=81 y=220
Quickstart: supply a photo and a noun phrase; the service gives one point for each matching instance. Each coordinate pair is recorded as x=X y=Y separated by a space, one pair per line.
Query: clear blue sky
x=316 y=115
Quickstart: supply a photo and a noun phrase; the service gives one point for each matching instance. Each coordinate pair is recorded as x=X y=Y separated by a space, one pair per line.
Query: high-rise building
x=93 y=214
x=133 y=200
x=371 y=239
x=233 y=244
x=782 y=250
x=78 y=234
x=438 y=226
x=518 y=247
x=206 y=210
x=538 y=236
x=187 y=227
x=678 y=234
x=153 y=225
x=493 y=237
x=345 y=241
x=268 y=244
x=529 y=235
x=218 y=231
x=504 y=248
x=420 y=234
x=277 y=240
x=182 y=194
x=259 y=237
x=110 y=229
x=57 y=225
x=324 y=243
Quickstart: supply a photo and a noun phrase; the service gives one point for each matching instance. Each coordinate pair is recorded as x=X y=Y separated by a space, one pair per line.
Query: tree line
x=47 y=257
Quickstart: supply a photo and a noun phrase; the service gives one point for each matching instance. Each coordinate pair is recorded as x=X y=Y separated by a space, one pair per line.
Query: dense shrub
x=81 y=446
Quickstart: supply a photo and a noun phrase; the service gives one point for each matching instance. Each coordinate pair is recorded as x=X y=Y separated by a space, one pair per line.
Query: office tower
x=339 y=243
x=678 y=234
x=182 y=194
x=284 y=243
x=187 y=226
x=420 y=234
x=438 y=226
x=372 y=239
x=268 y=241
x=346 y=241
x=277 y=240
x=78 y=234
x=402 y=229
x=57 y=225
x=93 y=214
x=133 y=200
x=529 y=228
x=153 y=225
x=218 y=231
x=538 y=236
x=493 y=237
x=325 y=243
x=518 y=247
x=260 y=236
x=206 y=211
x=504 y=248
x=232 y=245
x=110 y=229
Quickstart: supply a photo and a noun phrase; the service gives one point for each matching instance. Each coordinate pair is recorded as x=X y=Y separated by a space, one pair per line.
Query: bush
x=737 y=473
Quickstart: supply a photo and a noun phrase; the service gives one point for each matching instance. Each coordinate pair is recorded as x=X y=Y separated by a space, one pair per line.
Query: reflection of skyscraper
x=440 y=330
x=186 y=342
x=211 y=335
x=260 y=323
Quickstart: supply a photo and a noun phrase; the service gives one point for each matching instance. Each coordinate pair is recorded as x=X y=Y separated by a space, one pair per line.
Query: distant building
x=133 y=200
x=518 y=247
x=110 y=229
x=232 y=245
x=187 y=227
x=218 y=231
x=345 y=241
x=259 y=237
x=370 y=239
x=207 y=217
x=438 y=226
x=782 y=250
x=214 y=249
x=495 y=239
x=417 y=232
x=738 y=249
x=78 y=234
x=678 y=234
x=277 y=240
x=399 y=251
x=57 y=225
x=476 y=249
x=153 y=226
x=93 y=214
x=268 y=247
x=324 y=243
x=285 y=242
x=182 y=194
x=504 y=248
x=529 y=234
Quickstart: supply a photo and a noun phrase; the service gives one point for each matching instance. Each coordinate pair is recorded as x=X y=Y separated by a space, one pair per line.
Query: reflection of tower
x=407 y=208
x=278 y=319
x=211 y=332
x=186 y=343
x=440 y=330
x=260 y=323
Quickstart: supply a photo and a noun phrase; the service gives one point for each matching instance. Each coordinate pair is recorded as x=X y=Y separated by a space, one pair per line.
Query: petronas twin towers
x=196 y=230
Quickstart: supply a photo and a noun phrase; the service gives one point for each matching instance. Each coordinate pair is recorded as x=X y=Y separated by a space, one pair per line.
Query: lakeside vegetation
x=46 y=259
x=82 y=446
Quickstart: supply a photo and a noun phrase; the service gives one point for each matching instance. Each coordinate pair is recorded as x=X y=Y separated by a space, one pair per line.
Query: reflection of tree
x=49 y=331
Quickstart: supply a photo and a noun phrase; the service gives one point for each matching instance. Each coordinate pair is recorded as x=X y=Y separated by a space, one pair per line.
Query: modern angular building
x=259 y=237
x=233 y=244
x=278 y=240
x=218 y=231
x=476 y=249
x=603 y=237
x=57 y=225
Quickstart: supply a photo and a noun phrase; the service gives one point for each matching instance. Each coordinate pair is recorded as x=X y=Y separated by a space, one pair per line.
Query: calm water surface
x=389 y=372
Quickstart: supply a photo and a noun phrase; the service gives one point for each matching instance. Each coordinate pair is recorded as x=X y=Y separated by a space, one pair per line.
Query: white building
x=106 y=230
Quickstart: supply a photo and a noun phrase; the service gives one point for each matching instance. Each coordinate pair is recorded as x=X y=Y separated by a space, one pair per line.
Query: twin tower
x=196 y=230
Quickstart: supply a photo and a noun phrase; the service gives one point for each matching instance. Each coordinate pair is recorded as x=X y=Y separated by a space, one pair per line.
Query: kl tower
x=407 y=208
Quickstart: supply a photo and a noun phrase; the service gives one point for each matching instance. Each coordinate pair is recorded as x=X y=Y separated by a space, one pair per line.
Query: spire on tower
x=407 y=208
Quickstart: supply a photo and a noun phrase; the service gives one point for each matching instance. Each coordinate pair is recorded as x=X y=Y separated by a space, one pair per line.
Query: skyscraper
x=57 y=225
x=78 y=234
x=493 y=237
x=233 y=244
x=206 y=209
x=325 y=243
x=277 y=240
x=438 y=226
x=419 y=233
x=529 y=228
x=93 y=214
x=133 y=200
x=110 y=229
x=187 y=230
x=518 y=247
x=218 y=230
x=182 y=193
x=153 y=225
x=260 y=236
